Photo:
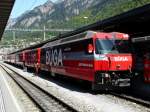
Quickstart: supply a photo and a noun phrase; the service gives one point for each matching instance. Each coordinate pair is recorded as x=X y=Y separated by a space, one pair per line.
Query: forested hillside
x=65 y=14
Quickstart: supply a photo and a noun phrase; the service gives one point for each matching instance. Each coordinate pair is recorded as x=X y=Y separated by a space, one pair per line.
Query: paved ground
x=8 y=102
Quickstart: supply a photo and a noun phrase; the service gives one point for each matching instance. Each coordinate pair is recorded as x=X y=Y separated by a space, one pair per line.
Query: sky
x=22 y=6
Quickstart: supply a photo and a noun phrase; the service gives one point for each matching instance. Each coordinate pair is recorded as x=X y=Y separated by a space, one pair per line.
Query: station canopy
x=5 y=10
x=135 y=22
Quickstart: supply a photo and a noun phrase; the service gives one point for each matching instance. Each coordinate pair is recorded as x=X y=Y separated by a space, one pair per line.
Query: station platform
x=8 y=102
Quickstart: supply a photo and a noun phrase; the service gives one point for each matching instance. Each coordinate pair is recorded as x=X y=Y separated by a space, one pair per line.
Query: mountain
x=11 y=22
x=73 y=13
x=54 y=12
x=35 y=16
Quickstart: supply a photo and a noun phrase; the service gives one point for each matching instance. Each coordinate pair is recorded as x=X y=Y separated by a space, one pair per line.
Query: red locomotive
x=101 y=58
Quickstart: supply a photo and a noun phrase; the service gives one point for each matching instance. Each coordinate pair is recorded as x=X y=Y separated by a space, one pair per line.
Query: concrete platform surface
x=8 y=102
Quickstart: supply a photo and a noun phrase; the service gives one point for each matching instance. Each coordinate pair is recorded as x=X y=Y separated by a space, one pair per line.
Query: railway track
x=60 y=107
x=131 y=98
x=44 y=100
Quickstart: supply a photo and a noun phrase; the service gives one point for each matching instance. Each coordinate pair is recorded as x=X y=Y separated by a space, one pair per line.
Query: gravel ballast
x=84 y=102
x=23 y=100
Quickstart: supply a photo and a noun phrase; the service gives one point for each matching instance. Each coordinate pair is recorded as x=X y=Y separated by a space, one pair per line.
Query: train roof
x=88 y=35
x=141 y=39
x=76 y=37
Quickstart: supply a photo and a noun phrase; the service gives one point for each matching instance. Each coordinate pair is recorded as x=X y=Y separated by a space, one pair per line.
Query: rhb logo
x=120 y=58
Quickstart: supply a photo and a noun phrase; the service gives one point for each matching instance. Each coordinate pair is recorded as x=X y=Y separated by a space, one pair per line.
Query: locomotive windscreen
x=112 y=46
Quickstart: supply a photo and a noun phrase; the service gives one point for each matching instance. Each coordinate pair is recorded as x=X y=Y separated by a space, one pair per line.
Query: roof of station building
x=5 y=10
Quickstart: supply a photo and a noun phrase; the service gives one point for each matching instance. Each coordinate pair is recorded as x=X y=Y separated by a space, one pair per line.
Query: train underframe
x=111 y=80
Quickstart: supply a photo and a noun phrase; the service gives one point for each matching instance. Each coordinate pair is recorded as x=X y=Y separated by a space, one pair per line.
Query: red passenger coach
x=32 y=57
x=103 y=59
x=19 y=58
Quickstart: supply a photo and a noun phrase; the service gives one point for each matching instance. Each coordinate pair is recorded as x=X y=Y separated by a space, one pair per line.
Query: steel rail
x=43 y=99
x=131 y=98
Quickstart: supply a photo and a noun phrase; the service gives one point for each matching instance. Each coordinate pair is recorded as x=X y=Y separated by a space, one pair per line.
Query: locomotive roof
x=77 y=37
x=88 y=35
x=69 y=39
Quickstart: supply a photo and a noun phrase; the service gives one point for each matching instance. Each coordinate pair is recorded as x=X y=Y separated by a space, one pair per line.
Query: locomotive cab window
x=111 y=46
